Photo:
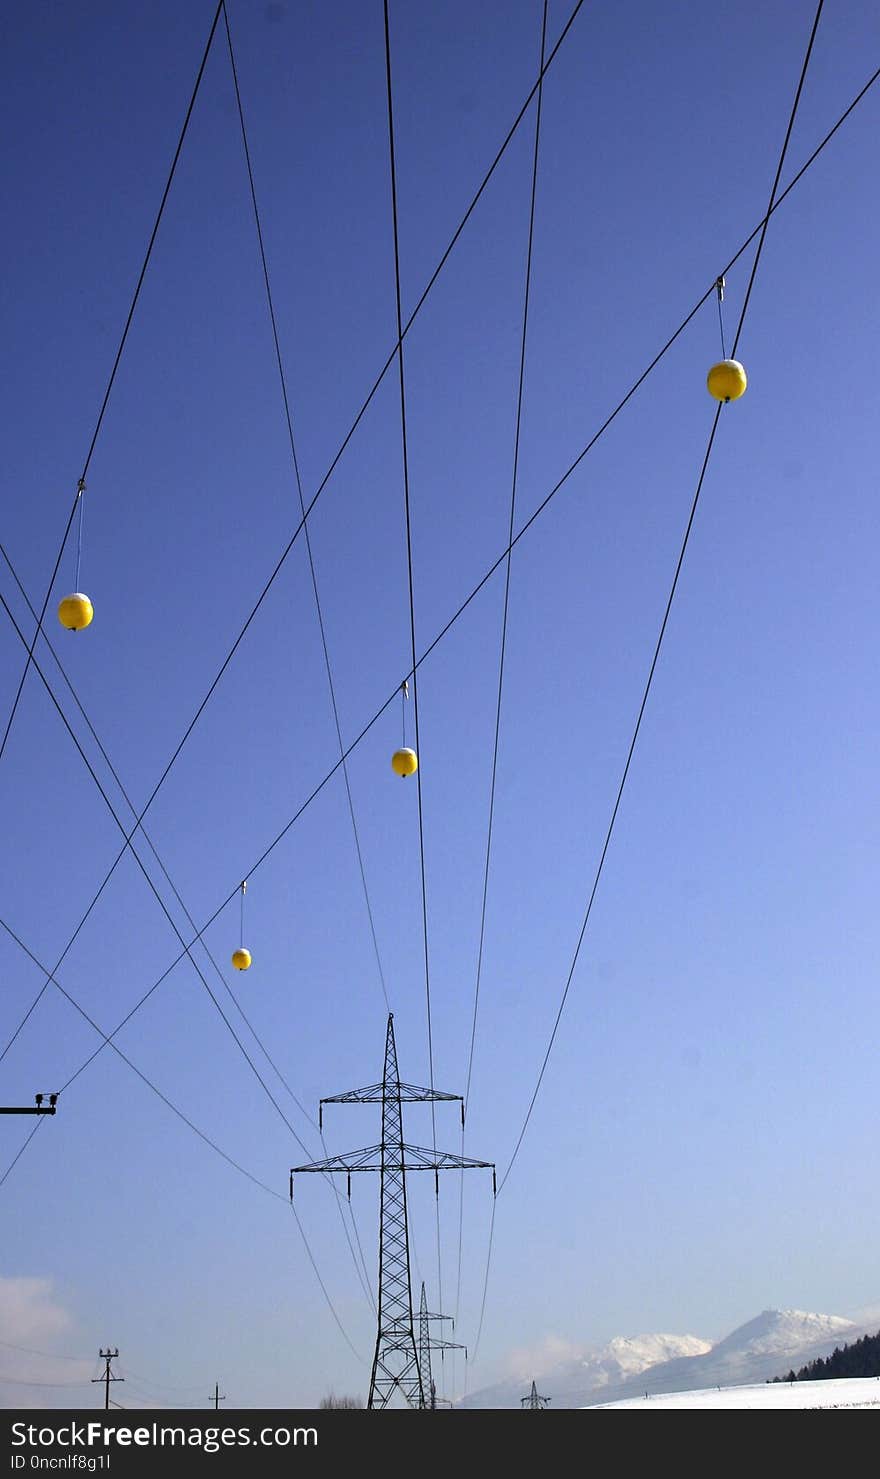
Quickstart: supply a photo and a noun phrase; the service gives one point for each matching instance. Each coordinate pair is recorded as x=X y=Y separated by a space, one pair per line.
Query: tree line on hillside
x=862 y=1358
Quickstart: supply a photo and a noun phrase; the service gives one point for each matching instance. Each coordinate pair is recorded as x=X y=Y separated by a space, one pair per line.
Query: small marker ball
x=241 y=959
x=727 y=380
x=75 y=612
x=404 y=762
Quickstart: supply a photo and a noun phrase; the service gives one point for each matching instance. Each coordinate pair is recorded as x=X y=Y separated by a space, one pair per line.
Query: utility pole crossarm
x=415 y=1158
x=372 y=1094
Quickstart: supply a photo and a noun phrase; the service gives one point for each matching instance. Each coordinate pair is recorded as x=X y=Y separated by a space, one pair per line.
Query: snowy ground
x=846 y=1392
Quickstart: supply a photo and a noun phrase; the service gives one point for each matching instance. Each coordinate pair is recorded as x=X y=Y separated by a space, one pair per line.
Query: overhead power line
x=267 y=1091
x=390 y=359
x=504 y=615
x=132 y=306
x=663 y=624
x=184 y=1118
x=411 y=591
x=305 y=528
x=284 y=554
x=318 y=788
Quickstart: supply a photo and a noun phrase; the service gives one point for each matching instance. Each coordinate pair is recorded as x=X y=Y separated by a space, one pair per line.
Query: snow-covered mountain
x=603 y=1370
x=631 y=1366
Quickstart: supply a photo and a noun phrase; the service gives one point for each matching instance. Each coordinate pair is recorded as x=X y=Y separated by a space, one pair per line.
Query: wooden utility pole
x=218 y=1397
x=107 y=1356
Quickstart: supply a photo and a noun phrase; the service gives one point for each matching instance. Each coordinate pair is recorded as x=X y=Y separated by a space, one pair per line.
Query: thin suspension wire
x=279 y=837
x=82 y=478
x=720 y=286
x=302 y=505
x=79 y=533
x=412 y=609
x=668 y=609
x=511 y=523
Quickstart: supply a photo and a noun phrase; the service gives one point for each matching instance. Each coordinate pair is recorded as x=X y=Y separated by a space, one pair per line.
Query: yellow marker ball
x=727 y=380
x=241 y=959
x=404 y=762
x=75 y=612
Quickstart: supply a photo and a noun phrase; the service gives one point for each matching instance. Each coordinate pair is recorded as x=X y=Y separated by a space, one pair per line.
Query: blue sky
x=701 y=1147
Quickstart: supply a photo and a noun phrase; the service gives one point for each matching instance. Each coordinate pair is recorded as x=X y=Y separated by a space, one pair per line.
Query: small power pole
x=396 y=1366
x=427 y=1344
x=533 y=1401
x=218 y=1396
x=107 y=1356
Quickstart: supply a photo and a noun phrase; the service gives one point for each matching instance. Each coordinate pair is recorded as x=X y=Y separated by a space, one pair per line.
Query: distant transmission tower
x=533 y=1400
x=427 y=1344
x=396 y=1362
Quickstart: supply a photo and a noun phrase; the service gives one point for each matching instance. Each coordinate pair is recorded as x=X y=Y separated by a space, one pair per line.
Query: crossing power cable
x=541 y=508
x=367 y=402
x=168 y=915
x=279 y=836
x=365 y=1282
x=131 y=806
x=286 y=551
x=81 y=484
x=504 y=616
x=305 y=528
x=411 y=590
x=662 y=632
x=659 y=642
x=181 y=1115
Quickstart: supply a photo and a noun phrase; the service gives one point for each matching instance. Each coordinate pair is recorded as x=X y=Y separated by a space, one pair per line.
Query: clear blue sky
x=703 y=1145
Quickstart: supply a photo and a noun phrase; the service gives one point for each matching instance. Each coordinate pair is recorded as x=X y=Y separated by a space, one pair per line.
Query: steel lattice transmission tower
x=533 y=1400
x=427 y=1344
x=396 y=1361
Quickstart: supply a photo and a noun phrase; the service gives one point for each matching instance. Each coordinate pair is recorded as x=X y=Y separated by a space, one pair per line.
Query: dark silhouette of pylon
x=427 y=1344
x=396 y=1367
x=533 y=1400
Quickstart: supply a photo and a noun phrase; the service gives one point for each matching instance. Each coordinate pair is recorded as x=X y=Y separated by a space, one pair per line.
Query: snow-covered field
x=846 y=1392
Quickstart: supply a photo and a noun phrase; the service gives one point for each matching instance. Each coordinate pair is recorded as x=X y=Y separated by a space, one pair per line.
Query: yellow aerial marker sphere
x=241 y=959
x=404 y=762
x=727 y=380
x=75 y=612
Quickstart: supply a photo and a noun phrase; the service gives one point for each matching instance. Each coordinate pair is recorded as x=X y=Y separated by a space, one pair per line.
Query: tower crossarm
x=377 y=1093
x=415 y=1158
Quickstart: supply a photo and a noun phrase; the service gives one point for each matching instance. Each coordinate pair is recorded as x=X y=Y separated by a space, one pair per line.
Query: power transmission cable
x=131 y=806
x=412 y=609
x=77 y=502
x=872 y=80
x=19 y=1153
x=305 y=528
x=166 y=911
x=657 y=649
x=505 y=610
x=27 y=1350
x=659 y=642
x=181 y=1115
x=537 y=512
x=286 y=551
x=759 y=228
